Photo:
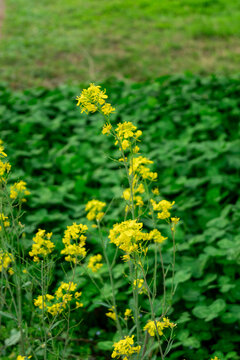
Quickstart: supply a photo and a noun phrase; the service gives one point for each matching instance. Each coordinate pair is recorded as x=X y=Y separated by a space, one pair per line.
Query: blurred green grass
x=47 y=43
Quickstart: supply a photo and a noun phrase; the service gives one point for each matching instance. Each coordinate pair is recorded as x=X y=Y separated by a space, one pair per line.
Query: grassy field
x=73 y=41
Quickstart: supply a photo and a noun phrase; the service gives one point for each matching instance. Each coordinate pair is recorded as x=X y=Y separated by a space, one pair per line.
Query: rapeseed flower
x=6 y=258
x=42 y=245
x=163 y=208
x=125 y=348
x=151 y=326
x=92 y=99
x=126 y=235
x=94 y=209
x=111 y=313
x=63 y=296
x=19 y=190
x=20 y=357
x=106 y=129
x=156 y=236
x=95 y=262
x=5 y=167
x=128 y=314
x=75 y=233
x=138 y=166
x=4 y=221
x=139 y=285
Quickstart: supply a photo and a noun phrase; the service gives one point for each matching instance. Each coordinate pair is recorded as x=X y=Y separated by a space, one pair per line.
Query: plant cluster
x=202 y=179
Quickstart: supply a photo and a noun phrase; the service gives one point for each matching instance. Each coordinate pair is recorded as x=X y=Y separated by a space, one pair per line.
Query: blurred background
x=50 y=42
x=172 y=68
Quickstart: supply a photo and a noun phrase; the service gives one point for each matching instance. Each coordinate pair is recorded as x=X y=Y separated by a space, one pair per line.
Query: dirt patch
x=2 y=11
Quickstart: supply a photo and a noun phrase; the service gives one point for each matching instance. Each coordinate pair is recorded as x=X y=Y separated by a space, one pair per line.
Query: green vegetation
x=58 y=41
x=191 y=131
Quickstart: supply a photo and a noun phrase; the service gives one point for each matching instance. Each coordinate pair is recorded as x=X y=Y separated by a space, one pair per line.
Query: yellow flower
x=215 y=358
x=155 y=191
x=138 y=166
x=125 y=347
x=74 y=233
x=4 y=221
x=94 y=209
x=156 y=236
x=19 y=190
x=106 y=129
x=111 y=313
x=42 y=245
x=163 y=207
x=128 y=314
x=127 y=130
x=25 y=271
x=94 y=262
x=92 y=99
x=151 y=326
x=20 y=357
x=6 y=258
x=107 y=109
x=139 y=284
x=63 y=296
x=2 y=153
x=127 y=235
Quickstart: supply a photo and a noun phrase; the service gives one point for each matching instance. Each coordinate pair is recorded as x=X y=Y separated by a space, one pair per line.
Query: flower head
x=6 y=258
x=125 y=347
x=19 y=190
x=74 y=241
x=42 y=246
x=152 y=327
x=95 y=262
x=92 y=99
x=163 y=208
x=94 y=209
x=127 y=235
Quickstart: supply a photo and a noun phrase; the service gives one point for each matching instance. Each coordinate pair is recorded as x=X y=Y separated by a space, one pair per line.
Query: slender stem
x=111 y=279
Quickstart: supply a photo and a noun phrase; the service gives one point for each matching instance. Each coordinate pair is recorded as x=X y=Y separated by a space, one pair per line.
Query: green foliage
x=191 y=131
x=76 y=40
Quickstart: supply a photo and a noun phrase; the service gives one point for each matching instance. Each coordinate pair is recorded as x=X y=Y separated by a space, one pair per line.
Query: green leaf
x=105 y=345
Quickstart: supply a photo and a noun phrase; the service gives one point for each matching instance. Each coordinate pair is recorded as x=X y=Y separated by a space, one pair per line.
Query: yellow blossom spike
x=125 y=347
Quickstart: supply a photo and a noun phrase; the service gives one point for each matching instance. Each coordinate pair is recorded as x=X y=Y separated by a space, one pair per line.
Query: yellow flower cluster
x=93 y=99
x=19 y=190
x=63 y=296
x=106 y=129
x=111 y=313
x=161 y=325
x=156 y=236
x=20 y=357
x=94 y=209
x=126 y=235
x=95 y=262
x=163 y=208
x=125 y=348
x=138 y=201
x=4 y=222
x=42 y=245
x=127 y=133
x=139 y=284
x=139 y=165
x=128 y=314
x=77 y=249
x=215 y=358
x=5 y=167
x=6 y=259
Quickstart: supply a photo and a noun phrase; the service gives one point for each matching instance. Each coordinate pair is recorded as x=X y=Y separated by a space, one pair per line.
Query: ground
x=80 y=41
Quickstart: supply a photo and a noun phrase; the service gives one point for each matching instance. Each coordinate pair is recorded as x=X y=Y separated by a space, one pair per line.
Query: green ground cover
x=58 y=41
x=191 y=130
